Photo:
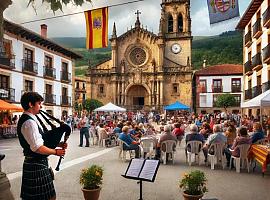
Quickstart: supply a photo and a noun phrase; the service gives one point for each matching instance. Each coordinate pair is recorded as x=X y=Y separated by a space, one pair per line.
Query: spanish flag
x=96 y=28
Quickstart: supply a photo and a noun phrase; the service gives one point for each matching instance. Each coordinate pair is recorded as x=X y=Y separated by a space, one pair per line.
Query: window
x=215 y=100
x=101 y=89
x=268 y=75
x=48 y=89
x=259 y=80
x=202 y=100
x=175 y=88
x=48 y=61
x=77 y=85
x=259 y=14
x=64 y=67
x=64 y=92
x=83 y=85
x=28 y=86
x=217 y=85
x=237 y=99
x=84 y=96
x=249 y=84
x=170 y=24
x=4 y=82
x=202 y=86
x=180 y=23
x=7 y=47
x=249 y=56
x=236 y=85
x=28 y=55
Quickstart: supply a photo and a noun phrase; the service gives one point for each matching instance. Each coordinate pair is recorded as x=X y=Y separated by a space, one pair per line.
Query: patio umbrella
x=5 y=106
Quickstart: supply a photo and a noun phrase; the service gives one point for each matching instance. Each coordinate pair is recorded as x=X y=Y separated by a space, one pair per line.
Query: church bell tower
x=175 y=28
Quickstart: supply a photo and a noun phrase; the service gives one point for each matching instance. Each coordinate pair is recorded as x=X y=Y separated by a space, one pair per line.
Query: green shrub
x=91 y=177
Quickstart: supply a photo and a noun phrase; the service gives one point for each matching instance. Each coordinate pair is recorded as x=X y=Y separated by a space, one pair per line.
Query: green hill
x=220 y=49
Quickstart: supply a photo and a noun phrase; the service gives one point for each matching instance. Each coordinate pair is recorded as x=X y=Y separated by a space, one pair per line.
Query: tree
x=55 y=5
x=92 y=104
x=225 y=101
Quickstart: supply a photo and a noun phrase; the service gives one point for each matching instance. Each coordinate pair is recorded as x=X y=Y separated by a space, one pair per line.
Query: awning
x=110 y=107
x=176 y=106
x=263 y=100
x=5 y=106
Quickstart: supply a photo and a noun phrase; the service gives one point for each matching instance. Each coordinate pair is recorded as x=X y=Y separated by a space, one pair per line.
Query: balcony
x=247 y=67
x=49 y=98
x=266 y=54
x=65 y=76
x=217 y=89
x=256 y=91
x=266 y=18
x=248 y=94
x=78 y=89
x=49 y=72
x=65 y=101
x=29 y=66
x=257 y=61
x=236 y=89
x=7 y=94
x=248 y=39
x=266 y=86
x=7 y=62
x=257 y=29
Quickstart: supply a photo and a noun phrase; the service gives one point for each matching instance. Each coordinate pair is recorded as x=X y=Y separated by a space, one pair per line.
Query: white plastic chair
x=122 y=152
x=169 y=148
x=218 y=156
x=148 y=147
x=243 y=149
x=195 y=148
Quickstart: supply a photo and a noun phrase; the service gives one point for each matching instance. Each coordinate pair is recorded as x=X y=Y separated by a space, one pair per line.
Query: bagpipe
x=53 y=137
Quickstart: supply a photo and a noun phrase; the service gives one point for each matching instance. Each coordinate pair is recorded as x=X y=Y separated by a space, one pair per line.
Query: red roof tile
x=223 y=69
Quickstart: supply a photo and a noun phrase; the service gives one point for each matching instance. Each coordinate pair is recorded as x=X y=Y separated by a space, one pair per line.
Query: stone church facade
x=148 y=71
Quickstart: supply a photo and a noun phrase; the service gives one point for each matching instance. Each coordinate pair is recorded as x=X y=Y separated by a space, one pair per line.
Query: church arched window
x=170 y=23
x=180 y=23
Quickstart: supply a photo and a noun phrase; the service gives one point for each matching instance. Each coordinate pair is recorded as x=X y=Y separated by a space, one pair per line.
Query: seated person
x=166 y=135
x=118 y=128
x=257 y=133
x=129 y=143
x=178 y=132
x=216 y=137
x=193 y=136
x=206 y=130
x=242 y=138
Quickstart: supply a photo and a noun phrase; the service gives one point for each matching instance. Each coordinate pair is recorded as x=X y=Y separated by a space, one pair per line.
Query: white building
x=32 y=62
x=210 y=82
x=255 y=24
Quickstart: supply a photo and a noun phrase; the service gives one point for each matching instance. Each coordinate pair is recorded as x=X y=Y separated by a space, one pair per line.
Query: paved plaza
x=222 y=184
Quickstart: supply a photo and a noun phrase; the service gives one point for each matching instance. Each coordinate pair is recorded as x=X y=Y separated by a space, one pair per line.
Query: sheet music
x=135 y=167
x=149 y=169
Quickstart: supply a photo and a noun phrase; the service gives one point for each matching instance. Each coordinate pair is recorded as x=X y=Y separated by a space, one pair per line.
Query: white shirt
x=31 y=133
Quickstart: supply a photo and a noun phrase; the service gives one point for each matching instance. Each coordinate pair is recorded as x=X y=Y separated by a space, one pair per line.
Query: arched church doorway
x=137 y=97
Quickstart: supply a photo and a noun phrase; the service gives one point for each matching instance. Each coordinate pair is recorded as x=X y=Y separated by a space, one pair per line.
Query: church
x=146 y=70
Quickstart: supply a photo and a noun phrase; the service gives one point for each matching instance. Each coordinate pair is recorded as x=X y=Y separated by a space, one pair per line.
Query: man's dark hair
x=30 y=97
x=243 y=131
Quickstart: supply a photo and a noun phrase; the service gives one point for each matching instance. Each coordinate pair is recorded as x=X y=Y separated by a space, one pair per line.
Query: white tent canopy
x=263 y=100
x=110 y=107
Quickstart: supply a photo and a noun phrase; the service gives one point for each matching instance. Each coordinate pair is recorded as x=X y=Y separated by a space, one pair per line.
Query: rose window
x=137 y=56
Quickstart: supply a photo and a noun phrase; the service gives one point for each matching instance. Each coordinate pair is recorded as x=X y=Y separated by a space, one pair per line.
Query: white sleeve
x=31 y=134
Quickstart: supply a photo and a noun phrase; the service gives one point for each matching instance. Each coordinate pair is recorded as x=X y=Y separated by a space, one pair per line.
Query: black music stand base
x=140 y=182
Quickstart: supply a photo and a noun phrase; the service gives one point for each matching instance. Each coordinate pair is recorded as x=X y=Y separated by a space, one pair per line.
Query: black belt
x=28 y=158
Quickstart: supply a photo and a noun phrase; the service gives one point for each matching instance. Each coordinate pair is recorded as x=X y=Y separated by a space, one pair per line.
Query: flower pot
x=91 y=194
x=192 y=197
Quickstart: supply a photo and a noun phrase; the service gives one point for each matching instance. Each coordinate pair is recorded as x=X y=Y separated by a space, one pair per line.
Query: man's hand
x=63 y=145
x=60 y=152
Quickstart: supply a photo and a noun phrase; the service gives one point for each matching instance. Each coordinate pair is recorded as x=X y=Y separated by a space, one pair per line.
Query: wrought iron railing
x=266 y=86
x=257 y=60
x=266 y=53
x=248 y=94
x=49 y=72
x=257 y=28
x=8 y=61
x=248 y=39
x=65 y=76
x=236 y=88
x=65 y=101
x=266 y=17
x=7 y=94
x=256 y=91
x=247 y=67
x=49 y=98
x=29 y=66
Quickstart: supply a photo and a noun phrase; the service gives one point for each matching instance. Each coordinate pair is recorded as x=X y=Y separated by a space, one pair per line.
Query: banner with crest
x=221 y=10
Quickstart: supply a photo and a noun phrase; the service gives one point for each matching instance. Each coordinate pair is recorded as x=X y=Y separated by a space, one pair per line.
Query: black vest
x=26 y=147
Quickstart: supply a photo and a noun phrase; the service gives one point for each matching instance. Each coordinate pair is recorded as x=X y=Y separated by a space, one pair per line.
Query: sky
x=124 y=17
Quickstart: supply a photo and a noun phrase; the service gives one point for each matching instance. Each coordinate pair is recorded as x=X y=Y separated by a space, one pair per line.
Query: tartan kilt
x=37 y=181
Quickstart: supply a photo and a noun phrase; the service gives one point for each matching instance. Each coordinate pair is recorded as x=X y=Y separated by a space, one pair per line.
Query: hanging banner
x=221 y=10
x=96 y=28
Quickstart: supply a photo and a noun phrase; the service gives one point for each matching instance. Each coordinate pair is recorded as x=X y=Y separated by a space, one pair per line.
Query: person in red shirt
x=178 y=132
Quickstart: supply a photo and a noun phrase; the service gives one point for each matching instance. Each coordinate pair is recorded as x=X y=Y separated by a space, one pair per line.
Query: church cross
x=138 y=14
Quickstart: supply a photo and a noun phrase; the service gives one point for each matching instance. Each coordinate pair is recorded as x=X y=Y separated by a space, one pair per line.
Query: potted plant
x=193 y=185
x=91 y=180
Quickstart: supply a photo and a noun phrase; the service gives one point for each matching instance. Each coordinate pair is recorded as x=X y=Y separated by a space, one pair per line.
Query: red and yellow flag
x=96 y=28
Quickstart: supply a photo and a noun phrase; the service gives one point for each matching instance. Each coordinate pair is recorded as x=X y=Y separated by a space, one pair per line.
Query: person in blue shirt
x=129 y=143
x=117 y=129
x=257 y=133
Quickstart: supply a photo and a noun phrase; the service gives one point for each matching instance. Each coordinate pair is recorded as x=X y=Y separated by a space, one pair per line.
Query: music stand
x=142 y=170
